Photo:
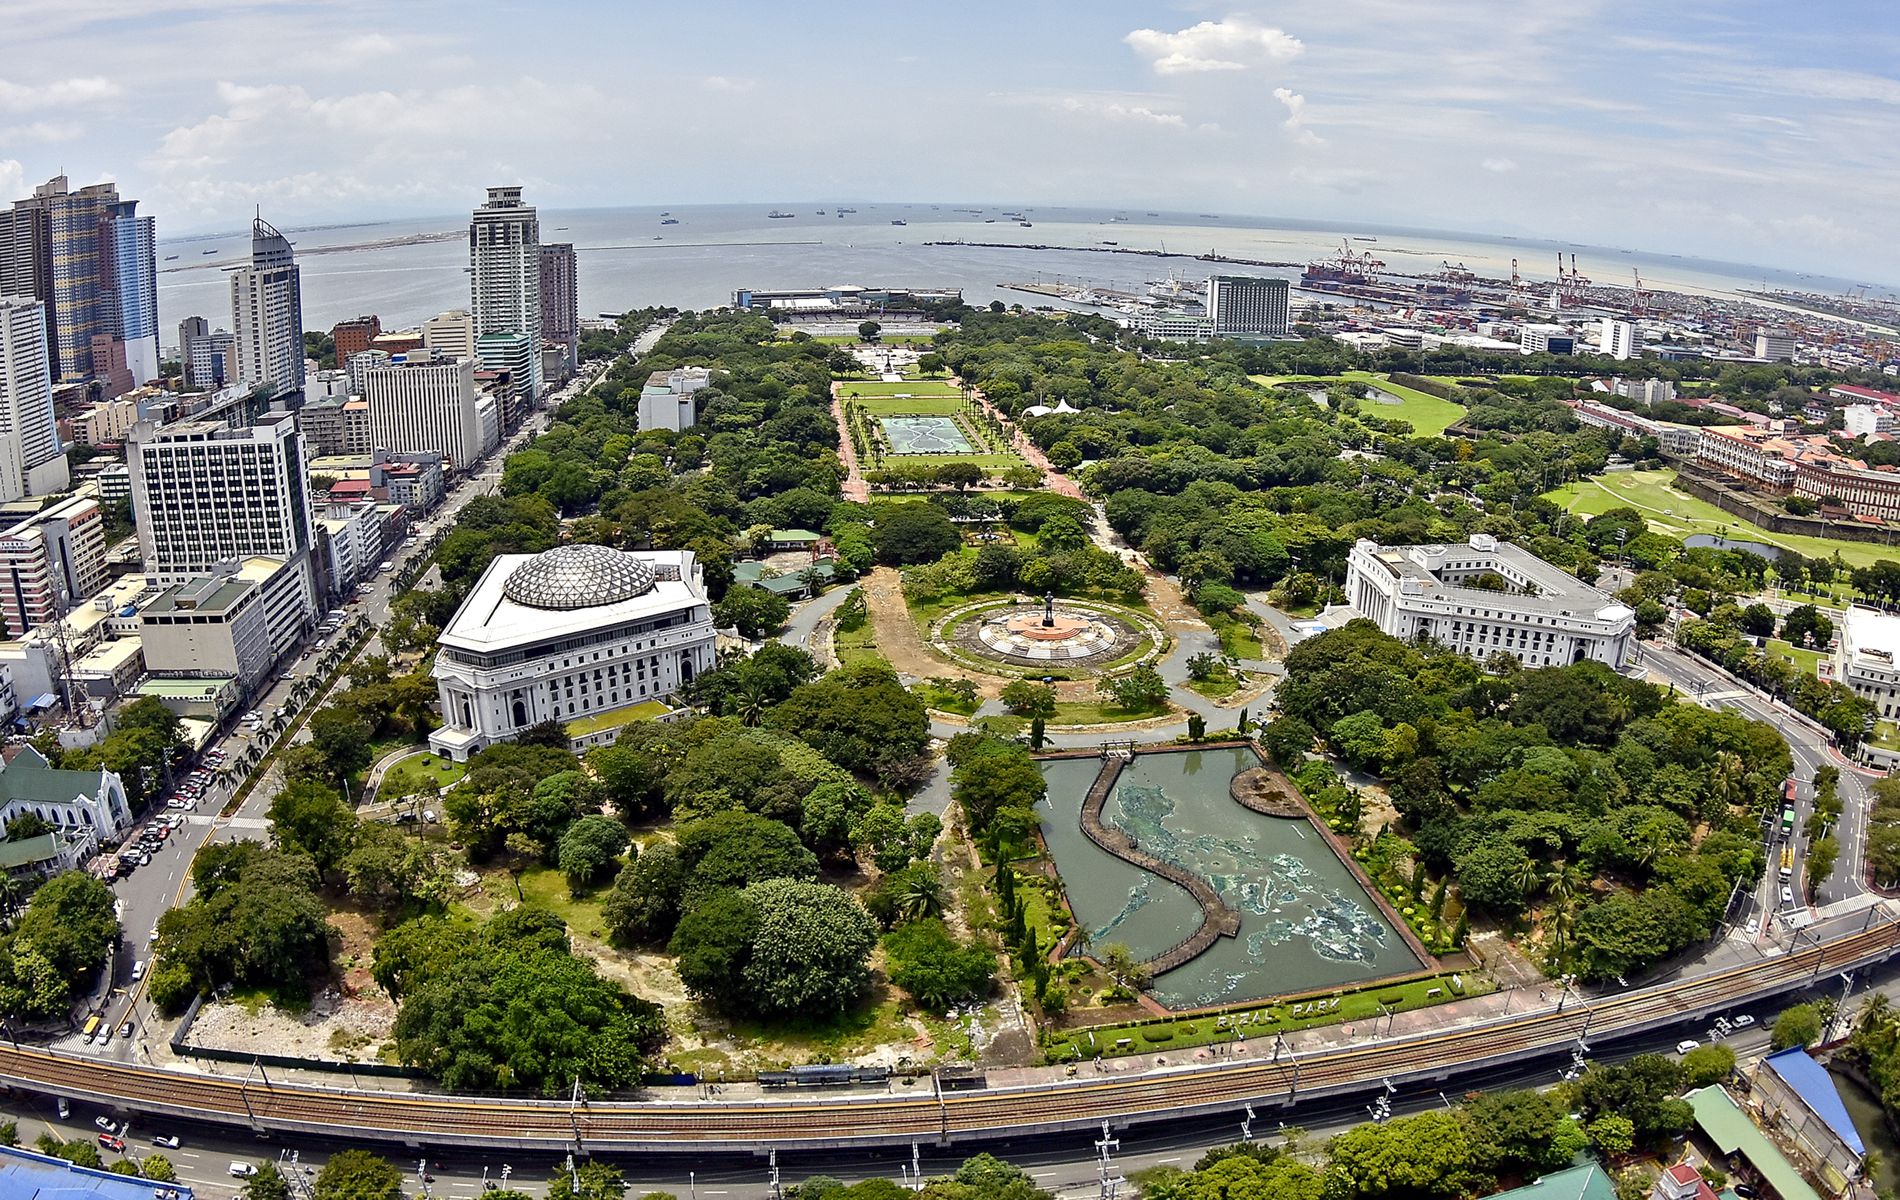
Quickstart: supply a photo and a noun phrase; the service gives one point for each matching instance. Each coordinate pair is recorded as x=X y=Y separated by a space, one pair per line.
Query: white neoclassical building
x=1488 y=596
x=586 y=635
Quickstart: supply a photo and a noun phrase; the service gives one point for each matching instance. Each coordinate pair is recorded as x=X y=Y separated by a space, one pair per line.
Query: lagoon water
x=1306 y=923
x=627 y=259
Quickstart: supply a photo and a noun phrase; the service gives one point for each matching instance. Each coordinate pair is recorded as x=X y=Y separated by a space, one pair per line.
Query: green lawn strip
x=626 y=714
x=1809 y=661
x=1679 y=514
x=412 y=774
x=1088 y=712
x=1260 y=1020
x=1215 y=688
x=856 y=647
x=545 y=888
x=912 y=406
x=944 y=700
x=1428 y=415
x=1886 y=736
x=1237 y=638
x=868 y=389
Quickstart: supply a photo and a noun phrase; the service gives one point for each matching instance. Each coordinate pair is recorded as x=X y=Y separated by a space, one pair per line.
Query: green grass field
x=915 y=406
x=1425 y=413
x=1679 y=514
x=411 y=775
x=1807 y=661
x=866 y=388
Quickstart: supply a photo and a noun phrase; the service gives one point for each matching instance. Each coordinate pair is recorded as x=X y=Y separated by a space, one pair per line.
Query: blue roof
x=1810 y=1081
x=25 y=1175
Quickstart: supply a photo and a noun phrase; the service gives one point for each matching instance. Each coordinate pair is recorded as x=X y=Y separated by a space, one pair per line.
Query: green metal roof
x=206 y=688
x=1587 y=1182
x=1732 y=1132
x=794 y=535
x=26 y=853
x=28 y=777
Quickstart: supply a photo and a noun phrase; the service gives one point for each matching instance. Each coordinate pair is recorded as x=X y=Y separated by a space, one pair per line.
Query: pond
x=1759 y=549
x=1870 y=1121
x=1305 y=922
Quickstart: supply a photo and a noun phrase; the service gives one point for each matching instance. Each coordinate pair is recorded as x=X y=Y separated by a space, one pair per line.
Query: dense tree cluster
x=1632 y=814
x=508 y=1004
x=55 y=949
x=255 y=921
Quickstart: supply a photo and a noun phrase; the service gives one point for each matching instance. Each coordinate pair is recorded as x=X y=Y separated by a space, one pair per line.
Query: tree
x=1000 y=775
x=357 y=1175
x=311 y=818
x=1612 y=1135
x=588 y=847
x=1491 y=876
x=343 y=738
x=1135 y=690
x=936 y=969
x=861 y=718
x=753 y=611
x=1286 y=741
x=644 y=903
x=809 y=950
x=1799 y=1025
x=268 y=1184
x=738 y=849
x=1804 y=625
x=914 y=533
x=1426 y=1155
x=868 y=331
x=712 y=943
x=596 y=1180
x=1708 y=1064
x=1027 y=699
x=1758 y=620
x=157 y=1166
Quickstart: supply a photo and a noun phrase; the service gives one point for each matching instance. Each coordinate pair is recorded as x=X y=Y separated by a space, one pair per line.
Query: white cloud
x=1234 y=44
x=60 y=93
x=1499 y=166
x=727 y=83
x=1116 y=110
x=1296 y=116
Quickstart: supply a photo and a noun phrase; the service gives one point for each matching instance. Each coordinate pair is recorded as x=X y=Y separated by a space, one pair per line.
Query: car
x=1754 y=926
x=152 y=936
x=138 y=970
x=65 y=1108
x=1787 y=895
x=106 y=1123
x=109 y=1142
x=241 y=1170
x=1746 y=1191
x=1741 y=1020
x=1686 y=1045
x=125 y=1029
x=166 y=1140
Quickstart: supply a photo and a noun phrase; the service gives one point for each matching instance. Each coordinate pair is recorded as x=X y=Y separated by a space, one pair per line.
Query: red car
x=111 y=1142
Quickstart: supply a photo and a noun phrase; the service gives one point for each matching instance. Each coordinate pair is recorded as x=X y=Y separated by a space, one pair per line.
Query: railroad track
x=645 y=1123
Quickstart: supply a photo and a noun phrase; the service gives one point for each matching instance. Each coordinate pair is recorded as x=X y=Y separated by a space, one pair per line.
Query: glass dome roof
x=579 y=576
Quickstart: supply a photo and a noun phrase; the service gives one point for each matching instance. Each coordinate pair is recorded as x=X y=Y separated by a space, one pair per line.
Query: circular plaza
x=1030 y=635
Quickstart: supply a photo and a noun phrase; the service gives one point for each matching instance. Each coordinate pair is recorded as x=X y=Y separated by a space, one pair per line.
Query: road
x=148 y=892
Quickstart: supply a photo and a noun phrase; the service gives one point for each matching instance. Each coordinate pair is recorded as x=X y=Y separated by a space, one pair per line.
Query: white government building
x=579 y=633
x=1544 y=617
x=1865 y=658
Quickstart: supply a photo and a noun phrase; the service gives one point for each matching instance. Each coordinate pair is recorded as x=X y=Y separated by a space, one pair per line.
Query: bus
x=1787 y=863
x=92 y=1027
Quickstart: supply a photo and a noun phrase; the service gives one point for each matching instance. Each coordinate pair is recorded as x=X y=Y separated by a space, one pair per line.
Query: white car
x=106 y=1123
x=1787 y=894
x=241 y=1170
x=1741 y=1020
x=1754 y=926
x=1686 y=1045
x=167 y=1141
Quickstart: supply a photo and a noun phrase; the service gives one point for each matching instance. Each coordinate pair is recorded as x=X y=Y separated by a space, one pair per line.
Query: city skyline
x=1740 y=132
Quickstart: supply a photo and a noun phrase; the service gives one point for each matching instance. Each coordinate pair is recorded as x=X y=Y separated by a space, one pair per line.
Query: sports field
x=909 y=406
x=1679 y=514
x=925 y=435
x=1425 y=413
x=914 y=388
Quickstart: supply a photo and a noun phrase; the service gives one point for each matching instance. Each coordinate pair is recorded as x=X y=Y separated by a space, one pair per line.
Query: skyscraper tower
x=504 y=255
x=267 y=314
x=560 y=299
x=32 y=462
x=132 y=286
x=70 y=231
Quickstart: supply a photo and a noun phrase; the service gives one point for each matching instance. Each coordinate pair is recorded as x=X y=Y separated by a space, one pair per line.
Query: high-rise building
x=1618 y=339
x=189 y=330
x=561 y=299
x=213 y=361
x=50 y=562
x=361 y=364
x=1247 y=306
x=110 y=371
x=72 y=229
x=1774 y=345
x=267 y=314
x=428 y=404
x=504 y=253
x=450 y=334
x=355 y=335
x=514 y=354
x=204 y=493
x=132 y=286
x=32 y=462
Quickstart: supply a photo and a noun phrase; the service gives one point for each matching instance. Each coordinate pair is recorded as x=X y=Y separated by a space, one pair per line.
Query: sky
x=1756 y=132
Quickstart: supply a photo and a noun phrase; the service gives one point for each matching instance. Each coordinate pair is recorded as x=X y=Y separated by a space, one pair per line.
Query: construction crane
x=1639 y=304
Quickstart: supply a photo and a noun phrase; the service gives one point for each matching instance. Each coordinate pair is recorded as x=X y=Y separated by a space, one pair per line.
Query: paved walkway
x=853 y=487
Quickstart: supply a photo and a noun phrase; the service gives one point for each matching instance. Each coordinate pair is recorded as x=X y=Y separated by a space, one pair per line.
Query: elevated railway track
x=646 y=1122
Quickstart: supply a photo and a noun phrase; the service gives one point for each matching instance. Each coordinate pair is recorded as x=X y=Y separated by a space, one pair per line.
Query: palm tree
x=1876 y=1012
x=9 y=895
x=921 y=896
x=1526 y=877
x=1566 y=883
x=753 y=703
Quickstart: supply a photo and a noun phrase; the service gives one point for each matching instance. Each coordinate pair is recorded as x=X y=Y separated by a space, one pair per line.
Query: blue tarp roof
x=1810 y=1081
x=43 y=700
x=31 y=1176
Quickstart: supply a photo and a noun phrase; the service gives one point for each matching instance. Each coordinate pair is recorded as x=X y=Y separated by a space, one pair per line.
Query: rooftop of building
x=522 y=599
x=1586 y=1182
x=1728 y=1127
x=26 y=853
x=26 y=1175
x=184 y=687
x=1417 y=569
x=1810 y=1081
x=28 y=777
x=206 y=594
x=1870 y=637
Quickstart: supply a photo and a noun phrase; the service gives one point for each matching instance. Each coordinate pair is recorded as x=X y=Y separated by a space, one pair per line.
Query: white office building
x=204 y=494
x=1774 y=345
x=32 y=461
x=267 y=314
x=1247 y=306
x=504 y=254
x=450 y=334
x=1867 y=658
x=582 y=634
x=1859 y=420
x=1546 y=339
x=424 y=403
x=666 y=400
x=1488 y=597
x=1645 y=391
x=233 y=622
x=1619 y=339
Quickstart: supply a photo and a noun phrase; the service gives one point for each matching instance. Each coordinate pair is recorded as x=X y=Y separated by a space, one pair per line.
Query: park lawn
x=1425 y=413
x=1679 y=514
x=1104 y=712
x=1261 y=1020
x=1886 y=736
x=856 y=647
x=1809 y=661
x=989 y=462
x=915 y=406
x=1217 y=687
x=943 y=699
x=545 y=888
x=1238 y=639
x=423 y=770
x=921 y=387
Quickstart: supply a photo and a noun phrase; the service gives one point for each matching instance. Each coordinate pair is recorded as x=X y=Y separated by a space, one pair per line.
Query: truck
x=1787 y=863
x=1787 y=822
